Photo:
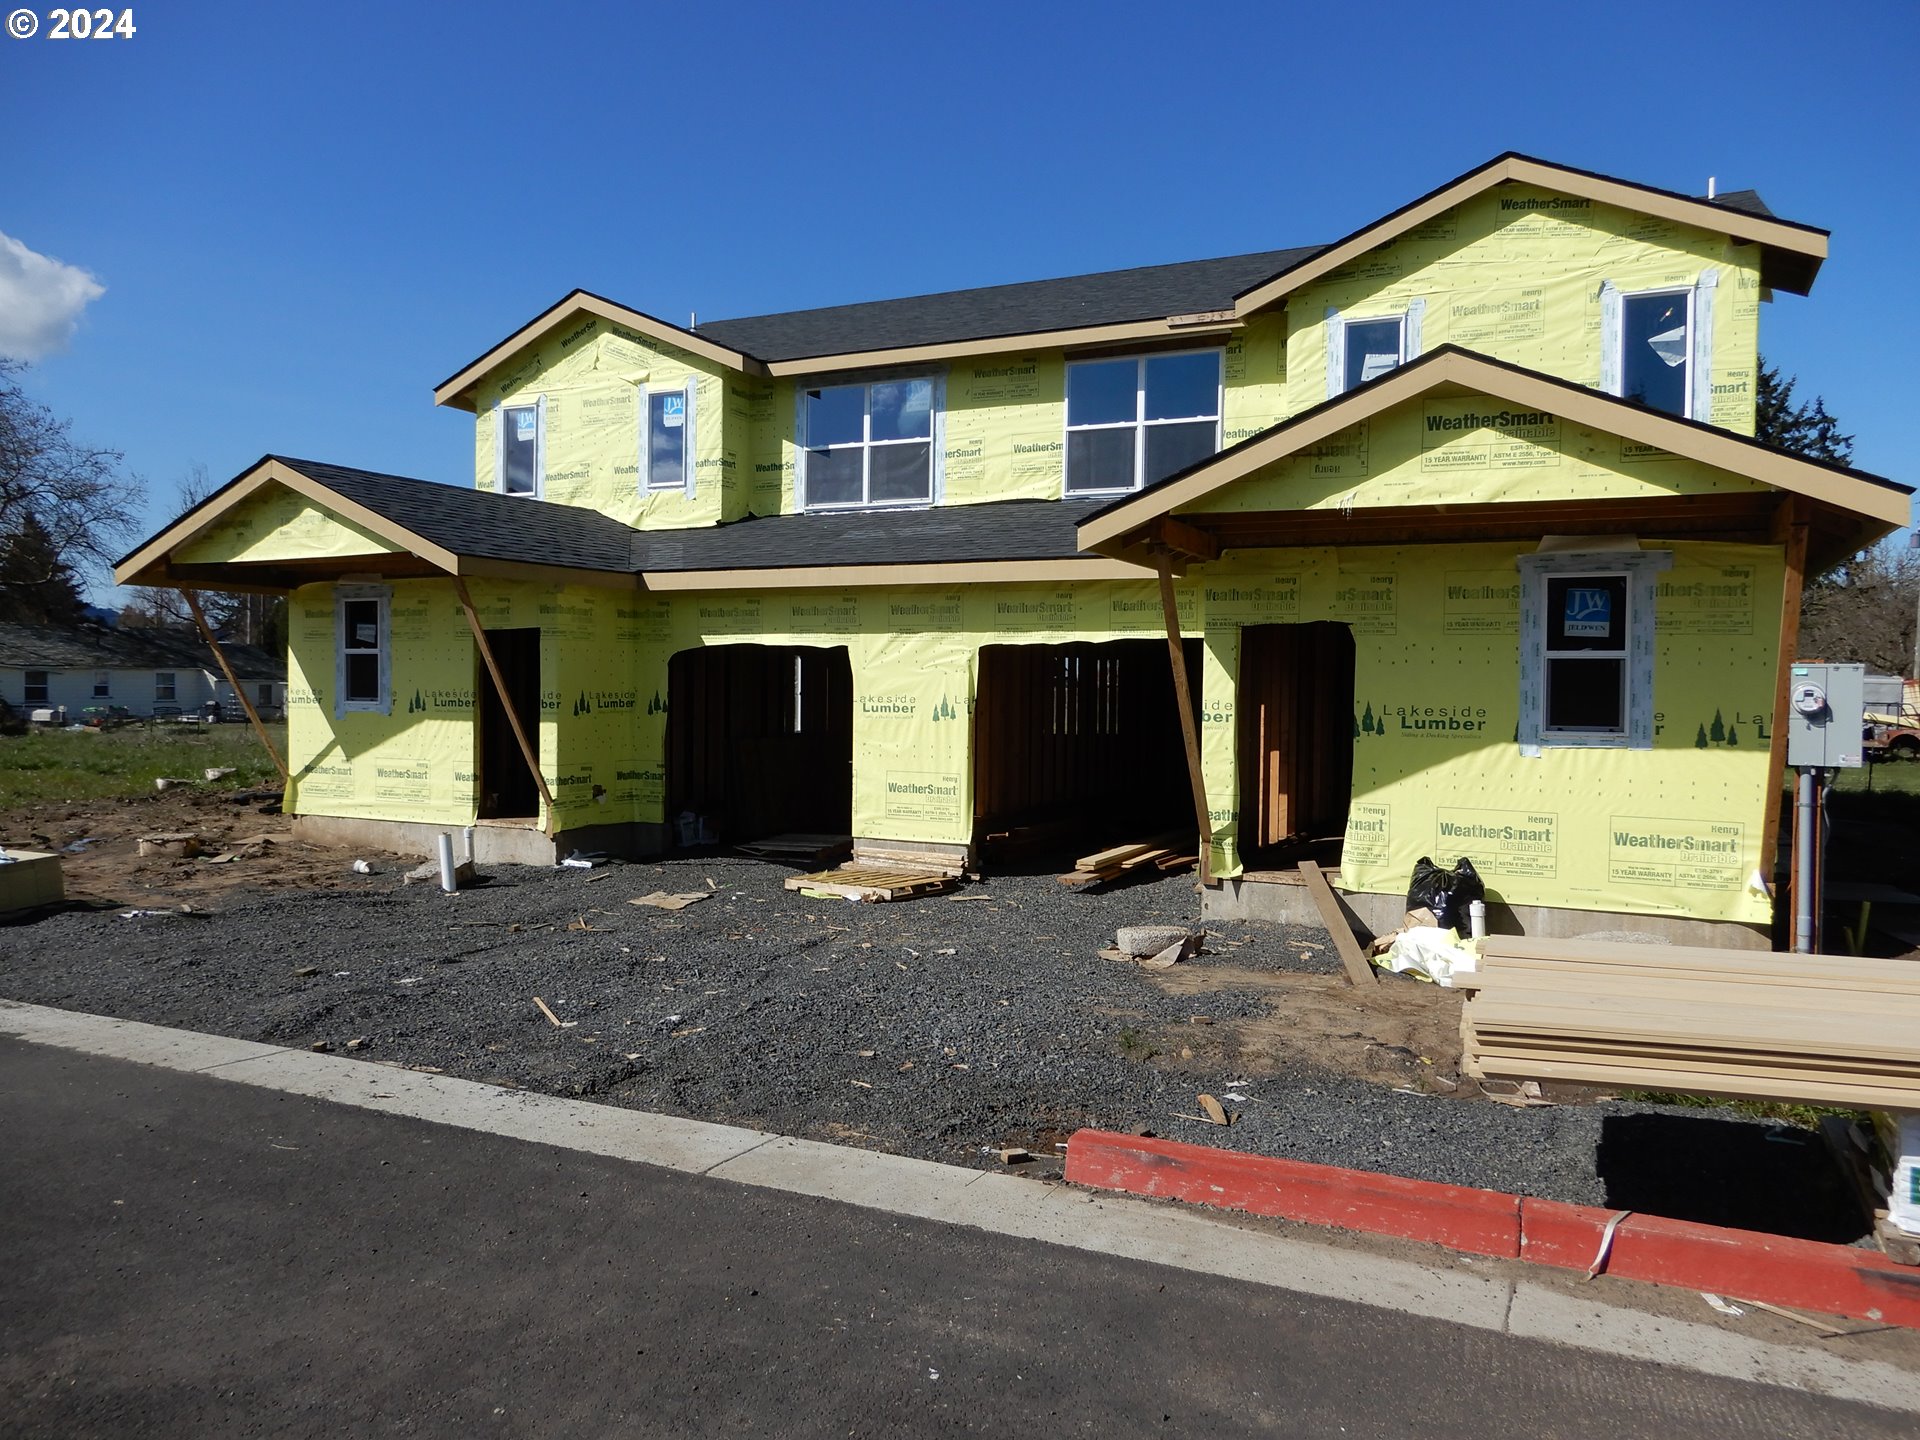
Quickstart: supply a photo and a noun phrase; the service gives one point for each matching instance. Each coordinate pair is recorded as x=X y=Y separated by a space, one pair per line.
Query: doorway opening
x=507 y=788
x=1295 y=718
x=759 y=742
x=1077 y=746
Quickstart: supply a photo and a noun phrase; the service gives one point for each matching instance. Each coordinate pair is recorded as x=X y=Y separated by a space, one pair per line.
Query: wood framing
x=1189 y=730
x=226 y=668
x=527 y=751
x=1791 y=533
x=958 y=572
x=1451 y=370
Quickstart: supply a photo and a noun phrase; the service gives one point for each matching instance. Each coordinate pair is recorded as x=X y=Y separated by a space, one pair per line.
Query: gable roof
x=1466 y=372
x=1120 y=306
x=104 y=647
x=449 y=528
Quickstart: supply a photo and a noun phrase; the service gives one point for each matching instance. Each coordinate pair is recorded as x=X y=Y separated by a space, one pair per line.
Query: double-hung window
x=164 y=687
x=666 y=439
x=868 y=444
x=38 y=687
x=1587 y=631
x=103 y=684
x=363 y=655
x=1134 y=421
x=521 y=464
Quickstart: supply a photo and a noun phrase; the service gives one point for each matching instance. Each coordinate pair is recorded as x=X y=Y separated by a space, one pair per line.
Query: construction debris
x=1161 y=855
x=182 y=844
x=661 y=900
x=1359 y=972
x=799 y=849
x=553 y=1019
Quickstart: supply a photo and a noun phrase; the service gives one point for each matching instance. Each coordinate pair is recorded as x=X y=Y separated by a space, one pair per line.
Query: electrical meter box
x=1826 y=709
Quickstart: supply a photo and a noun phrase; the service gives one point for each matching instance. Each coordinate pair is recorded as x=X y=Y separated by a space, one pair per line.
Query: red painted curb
x=1744 y=1264
x=1480 y=1222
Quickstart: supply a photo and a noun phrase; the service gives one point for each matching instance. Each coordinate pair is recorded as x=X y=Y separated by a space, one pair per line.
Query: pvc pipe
x=1804 y=813
x=447 y=881
x=1477 y=918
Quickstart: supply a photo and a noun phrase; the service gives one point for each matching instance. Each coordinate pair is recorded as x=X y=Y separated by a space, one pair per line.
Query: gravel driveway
x=933 y=1027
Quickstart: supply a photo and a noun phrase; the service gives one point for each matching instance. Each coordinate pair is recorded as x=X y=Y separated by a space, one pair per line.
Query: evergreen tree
x=1719 y=731
x=1805 y=430
x=36 y=585
x=1701 y=742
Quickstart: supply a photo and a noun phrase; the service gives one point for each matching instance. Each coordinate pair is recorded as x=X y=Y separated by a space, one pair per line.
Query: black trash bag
x=1447 y=893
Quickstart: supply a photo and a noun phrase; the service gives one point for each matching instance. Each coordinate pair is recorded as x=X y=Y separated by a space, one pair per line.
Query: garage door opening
x=1295 y=704
x=759 y=742
x=1077 y=747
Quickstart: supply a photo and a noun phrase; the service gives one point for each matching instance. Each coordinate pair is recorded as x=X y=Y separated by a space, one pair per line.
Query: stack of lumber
x=873 y=883
x=1164 y=854
x=1815 y=1029
x=807 y=849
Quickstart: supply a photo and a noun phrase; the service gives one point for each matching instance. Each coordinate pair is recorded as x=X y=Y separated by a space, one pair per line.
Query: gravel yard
x=933 y=1027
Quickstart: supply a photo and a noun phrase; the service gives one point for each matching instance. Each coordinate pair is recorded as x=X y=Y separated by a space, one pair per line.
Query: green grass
x=51 y=766
x=1889 y=777
x=1784 y=1112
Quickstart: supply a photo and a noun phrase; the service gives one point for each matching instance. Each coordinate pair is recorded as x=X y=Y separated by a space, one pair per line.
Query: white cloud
x=40 y=301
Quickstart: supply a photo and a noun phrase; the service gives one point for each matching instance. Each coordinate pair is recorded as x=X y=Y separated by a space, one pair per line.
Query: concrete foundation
x=1280 y=896
x=495 y=842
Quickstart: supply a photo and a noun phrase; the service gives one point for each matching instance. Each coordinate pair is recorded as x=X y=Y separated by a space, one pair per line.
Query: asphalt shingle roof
x=481 y=523
x=101 y=647
x=1112 y=297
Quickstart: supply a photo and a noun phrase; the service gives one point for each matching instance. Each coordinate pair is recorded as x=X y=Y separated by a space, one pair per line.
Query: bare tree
x=247 y=619
x=1864 y=611
x=62 y=503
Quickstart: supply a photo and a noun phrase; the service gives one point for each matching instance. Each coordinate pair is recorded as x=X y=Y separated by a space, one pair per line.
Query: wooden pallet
x=1795 y=1028
x=874 y=884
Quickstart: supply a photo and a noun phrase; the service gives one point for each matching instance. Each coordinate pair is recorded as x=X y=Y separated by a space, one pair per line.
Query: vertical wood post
x=1790 y=530
x=1189 y=732
x=527 y=751
x=253 y=716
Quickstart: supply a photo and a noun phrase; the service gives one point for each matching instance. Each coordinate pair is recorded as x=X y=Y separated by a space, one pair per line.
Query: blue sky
x=305 y=216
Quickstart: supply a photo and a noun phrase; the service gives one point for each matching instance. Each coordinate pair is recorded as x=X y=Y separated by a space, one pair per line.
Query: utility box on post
x=1826 y=714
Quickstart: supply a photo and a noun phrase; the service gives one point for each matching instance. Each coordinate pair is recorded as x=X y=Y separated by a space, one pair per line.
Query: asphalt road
x=183 y=1256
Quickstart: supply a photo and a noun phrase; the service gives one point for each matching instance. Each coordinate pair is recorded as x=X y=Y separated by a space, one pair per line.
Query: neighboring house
x=71 y=670
x=1456 y=523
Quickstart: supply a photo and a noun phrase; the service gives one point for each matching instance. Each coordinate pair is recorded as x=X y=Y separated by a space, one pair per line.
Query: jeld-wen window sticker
x=520 y=465
x=1586 y=649
x=666 y=439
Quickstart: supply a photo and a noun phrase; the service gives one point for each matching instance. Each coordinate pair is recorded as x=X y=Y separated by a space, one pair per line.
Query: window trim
x=382 y=595
x=166 y=687
x=1701 y=295
x=539 y=407
x=935 y=441
x=103 y=685
x=1639 y=567
x=685 y=483
x=1139 y=423
x=28 y=685
x=1412 y=318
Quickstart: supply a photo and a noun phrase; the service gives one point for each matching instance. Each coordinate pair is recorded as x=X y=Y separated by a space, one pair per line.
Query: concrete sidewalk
x=190 y=1256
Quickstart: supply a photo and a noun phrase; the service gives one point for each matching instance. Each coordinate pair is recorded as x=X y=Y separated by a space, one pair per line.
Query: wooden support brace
x=527 y=751
x=253 y=715
x=1790 y=531
x=1189 y=731
x=1359 y=971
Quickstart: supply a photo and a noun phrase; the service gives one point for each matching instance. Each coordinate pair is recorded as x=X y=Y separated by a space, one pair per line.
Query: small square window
x=37 y=687
x=1373 y=347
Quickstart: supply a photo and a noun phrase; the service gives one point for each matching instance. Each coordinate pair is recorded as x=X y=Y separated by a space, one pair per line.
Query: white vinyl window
x=38 y=686
x=520 y=466
x=868 y=444
x=1134 y=421
x=1656 y=346
x=666 y=439
x=264 y=695
x=1586 y=648
x=163 y=687
x=103 y=685
x=1365 y=347
x=363 y=667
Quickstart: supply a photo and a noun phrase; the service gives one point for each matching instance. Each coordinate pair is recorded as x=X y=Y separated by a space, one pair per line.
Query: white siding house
x=140 y=672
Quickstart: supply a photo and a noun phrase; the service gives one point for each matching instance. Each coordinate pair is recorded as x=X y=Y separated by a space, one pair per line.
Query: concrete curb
x=1829 y=1279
